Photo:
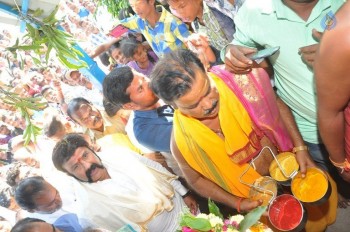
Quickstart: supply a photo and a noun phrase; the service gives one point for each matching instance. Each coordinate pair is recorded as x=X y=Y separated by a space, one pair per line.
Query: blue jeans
x=320 y=155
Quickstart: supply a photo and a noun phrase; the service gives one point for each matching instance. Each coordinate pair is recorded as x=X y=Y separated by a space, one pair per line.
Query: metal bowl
x=265 y=189
x=283 y=168
x=313 y=189
x=286 y=213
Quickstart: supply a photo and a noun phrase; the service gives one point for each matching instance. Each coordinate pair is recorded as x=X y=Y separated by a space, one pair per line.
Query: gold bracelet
x=300 y=148
x=345 y=166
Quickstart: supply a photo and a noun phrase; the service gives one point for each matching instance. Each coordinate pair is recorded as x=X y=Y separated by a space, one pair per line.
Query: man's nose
x=84 y=164
x=207 y=104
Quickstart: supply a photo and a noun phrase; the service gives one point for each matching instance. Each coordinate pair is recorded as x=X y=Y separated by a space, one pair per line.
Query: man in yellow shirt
x=218 y=131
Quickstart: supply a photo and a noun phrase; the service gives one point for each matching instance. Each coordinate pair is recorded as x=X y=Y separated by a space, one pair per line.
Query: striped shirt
x=167 y=35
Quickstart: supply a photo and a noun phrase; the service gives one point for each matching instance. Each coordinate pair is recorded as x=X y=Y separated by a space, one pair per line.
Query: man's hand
x=191 y=204
x=197 y=40
x=304 y=160
x=247 y=205
x=199 y=44
x=308 y=53
x=236 y=59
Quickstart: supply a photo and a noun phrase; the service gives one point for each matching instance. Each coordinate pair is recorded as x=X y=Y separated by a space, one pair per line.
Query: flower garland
x=215 y=222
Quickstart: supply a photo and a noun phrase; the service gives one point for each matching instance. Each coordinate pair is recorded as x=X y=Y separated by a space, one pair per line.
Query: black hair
x=13 y=172
x=74 y=105
x=116 y=45
x=5 y=198
x=26 y=191
x=104 y=57
x=65 y=149
x=110 y=108
x=128 y=47
x=125 y=13
x=53 y=126
x=173 y=75
x=25 y=224
x=115 y=85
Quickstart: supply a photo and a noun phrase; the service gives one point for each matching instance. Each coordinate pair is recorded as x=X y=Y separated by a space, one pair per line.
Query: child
x=142 y=60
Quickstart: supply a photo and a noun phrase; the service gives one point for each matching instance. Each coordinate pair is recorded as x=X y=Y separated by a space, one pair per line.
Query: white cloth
x=9 y=215
x=140 y=193
x=71 y=92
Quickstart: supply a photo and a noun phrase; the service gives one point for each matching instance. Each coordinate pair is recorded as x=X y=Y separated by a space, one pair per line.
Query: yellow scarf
x=217 y=159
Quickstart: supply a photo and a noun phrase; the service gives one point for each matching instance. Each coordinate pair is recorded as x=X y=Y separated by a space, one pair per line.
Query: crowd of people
x=184 y=113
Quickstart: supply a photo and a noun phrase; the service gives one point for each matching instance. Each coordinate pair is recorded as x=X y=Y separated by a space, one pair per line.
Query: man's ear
x=129 y=106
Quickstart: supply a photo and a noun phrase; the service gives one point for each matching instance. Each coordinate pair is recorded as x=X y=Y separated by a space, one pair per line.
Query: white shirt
x=139 y=188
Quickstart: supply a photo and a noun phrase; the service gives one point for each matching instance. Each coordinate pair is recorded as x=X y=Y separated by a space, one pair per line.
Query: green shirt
x=270 y=23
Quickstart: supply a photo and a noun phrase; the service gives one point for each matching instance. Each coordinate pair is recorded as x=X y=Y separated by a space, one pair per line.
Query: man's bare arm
x=303 y=157
x=207 y=188
x=333 y=89
x=103 y=47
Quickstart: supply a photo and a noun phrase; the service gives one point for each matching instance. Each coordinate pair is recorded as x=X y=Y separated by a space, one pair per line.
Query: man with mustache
x=96 y=122
x=222 y=123
x=123 y=187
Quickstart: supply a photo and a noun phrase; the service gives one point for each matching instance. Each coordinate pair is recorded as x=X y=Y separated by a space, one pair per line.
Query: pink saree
x=257 y=96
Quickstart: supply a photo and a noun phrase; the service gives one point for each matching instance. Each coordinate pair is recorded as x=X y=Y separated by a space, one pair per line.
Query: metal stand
x=251 y=164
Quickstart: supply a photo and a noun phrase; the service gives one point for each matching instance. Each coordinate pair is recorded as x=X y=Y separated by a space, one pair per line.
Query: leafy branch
x=113 y=6
x=24 y=105
x=41 y=33
x=44 y=33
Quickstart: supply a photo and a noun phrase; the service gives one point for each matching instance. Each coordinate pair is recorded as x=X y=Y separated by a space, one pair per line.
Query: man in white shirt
x=123 y=187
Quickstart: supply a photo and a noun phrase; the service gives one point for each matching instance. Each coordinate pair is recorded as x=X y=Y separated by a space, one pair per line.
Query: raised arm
x=103 y=47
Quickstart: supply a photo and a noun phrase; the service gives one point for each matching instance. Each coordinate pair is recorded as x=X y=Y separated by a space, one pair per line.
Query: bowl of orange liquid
x=314 y=188
x=284 y=168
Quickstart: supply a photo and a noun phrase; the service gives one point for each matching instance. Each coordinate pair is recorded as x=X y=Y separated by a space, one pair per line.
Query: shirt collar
x=146 y=113
x=162 y=18
x=282 y=11
x=163 y=111
x=163 y=14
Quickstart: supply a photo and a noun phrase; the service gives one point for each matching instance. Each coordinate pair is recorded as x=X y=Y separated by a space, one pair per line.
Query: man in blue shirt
x=152 y=122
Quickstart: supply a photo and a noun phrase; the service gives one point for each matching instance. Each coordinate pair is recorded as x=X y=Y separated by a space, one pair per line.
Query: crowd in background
x=75 y=105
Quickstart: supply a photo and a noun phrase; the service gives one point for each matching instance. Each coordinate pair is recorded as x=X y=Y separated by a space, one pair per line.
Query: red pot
x=286 y=213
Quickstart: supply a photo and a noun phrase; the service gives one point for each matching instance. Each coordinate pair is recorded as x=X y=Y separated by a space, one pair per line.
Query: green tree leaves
x=114 y=6
x=44 y=36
